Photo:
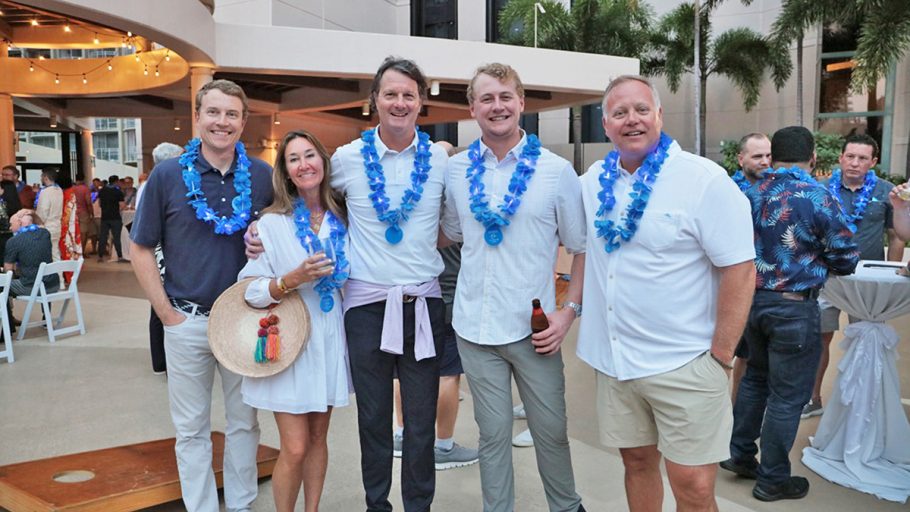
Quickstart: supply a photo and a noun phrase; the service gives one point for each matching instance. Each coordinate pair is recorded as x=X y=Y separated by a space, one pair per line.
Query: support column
x=88 y=156
x=199 y=76
x=7 y=122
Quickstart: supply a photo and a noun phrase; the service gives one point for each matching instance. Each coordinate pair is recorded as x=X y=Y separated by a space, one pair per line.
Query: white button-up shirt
x=496 y=284
x=651 y=305
x=373 y=259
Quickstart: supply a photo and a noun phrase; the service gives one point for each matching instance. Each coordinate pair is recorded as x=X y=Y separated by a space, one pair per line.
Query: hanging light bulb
x=167 y=56
x=137 y=56
x=156 y=71
x=66 y=28
x=110 y=67
x=176 y=125
x=276 y=121
x=54 y=121
x=123 y=43
x=96 y=40
x=146 y=72
x=34 y=22
x=129 y=34
x=1 y=12
x=41 y=57
x=84 y=79
x=365 y=108
x=31 y=67
x=57 y=79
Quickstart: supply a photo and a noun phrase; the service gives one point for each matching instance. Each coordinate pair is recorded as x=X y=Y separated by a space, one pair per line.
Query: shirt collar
x=382 y=149
x=203 y=166
x=515 y=152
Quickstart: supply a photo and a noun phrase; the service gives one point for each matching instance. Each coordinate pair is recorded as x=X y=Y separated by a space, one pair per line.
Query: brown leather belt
x=802 y=295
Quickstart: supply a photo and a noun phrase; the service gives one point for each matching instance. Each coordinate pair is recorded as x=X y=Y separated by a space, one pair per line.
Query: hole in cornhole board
x=122 y=478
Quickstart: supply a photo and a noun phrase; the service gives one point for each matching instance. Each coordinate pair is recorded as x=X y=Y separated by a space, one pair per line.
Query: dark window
x=592 y=123
x=442 y=131
x=434 y=18
x=530 y=123
x=493 y=9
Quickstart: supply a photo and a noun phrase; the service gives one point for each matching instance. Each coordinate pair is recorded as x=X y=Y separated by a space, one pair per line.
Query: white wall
x=380 y=16
x=253 y=12
x=472 y=20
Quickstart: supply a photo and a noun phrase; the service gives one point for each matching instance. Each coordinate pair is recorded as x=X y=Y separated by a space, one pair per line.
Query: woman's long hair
x=286 y=191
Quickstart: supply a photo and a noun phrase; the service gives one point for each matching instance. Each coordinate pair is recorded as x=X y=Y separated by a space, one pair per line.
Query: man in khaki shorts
x=670 y=272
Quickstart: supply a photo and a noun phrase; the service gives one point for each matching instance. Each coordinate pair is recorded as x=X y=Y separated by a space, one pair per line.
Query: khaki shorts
x=686 y=412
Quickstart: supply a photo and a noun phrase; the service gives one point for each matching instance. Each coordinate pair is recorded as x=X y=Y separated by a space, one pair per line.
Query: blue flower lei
x=741 y=181
x=795 y=172
x=862 y=199
x=26 y=229
x=518 y=184
x=308 y=239
x=376 y=180
x=242 y=202
x=613 y=233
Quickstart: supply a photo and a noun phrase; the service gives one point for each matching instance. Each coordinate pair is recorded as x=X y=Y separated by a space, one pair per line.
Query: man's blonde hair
x=501 y=72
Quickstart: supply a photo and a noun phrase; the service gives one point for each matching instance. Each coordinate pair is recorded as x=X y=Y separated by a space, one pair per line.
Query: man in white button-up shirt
x=667 y=290
x=504 y=266
x=394 y=312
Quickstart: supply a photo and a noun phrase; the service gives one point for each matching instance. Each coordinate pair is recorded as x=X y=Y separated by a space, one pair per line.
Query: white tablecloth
x=127 y=216
x=863 y=439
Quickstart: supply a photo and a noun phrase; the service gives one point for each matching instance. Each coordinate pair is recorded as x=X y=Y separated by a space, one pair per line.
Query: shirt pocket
x=658 y=230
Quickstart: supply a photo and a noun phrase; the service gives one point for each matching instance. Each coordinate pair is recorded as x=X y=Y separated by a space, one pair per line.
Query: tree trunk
x=702 y=113
x=576 y=143
x=799 y=81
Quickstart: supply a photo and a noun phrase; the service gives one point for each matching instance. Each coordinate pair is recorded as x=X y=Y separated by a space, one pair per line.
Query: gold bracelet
x=282 y=287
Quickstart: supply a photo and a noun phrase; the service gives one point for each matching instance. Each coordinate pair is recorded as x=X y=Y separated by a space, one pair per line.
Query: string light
x=41 y=57
x=34 y=22
x=137 y=56
x=96 y=40
x=146 y=72
x=57 y=79
x=167 y=56
x=156 y=71
x=129 y=34
x=110 y=67
x=66 y=28
x=84 y=79
x=31 y=67
x=1 y=12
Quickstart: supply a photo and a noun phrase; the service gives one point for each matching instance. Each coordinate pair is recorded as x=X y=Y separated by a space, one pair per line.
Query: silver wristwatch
x=574 y=307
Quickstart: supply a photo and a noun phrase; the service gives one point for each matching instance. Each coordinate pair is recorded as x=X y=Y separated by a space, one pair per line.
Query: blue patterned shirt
x=800 y=234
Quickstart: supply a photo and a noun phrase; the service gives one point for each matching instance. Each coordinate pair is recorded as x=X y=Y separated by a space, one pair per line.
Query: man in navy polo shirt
x=202 y=240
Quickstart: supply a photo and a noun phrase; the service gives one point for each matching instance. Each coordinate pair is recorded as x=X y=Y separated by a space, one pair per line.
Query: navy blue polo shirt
x=200 y=264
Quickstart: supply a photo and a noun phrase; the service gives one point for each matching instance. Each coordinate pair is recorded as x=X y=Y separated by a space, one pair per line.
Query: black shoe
x=745 y=469
x=793 y=489
x=581 y=508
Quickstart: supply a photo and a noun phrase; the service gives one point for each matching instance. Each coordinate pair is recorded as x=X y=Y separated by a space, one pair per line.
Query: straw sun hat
x=233 y=327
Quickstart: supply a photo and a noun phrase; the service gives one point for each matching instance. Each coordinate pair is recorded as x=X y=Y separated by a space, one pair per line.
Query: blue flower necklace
x=613 y=233
x=242 y=202
x=741 y=181
x=493 y=222
x=376 y=180
x=795 y=172
x=26 y=229
x=326 y=286
x=862 y=199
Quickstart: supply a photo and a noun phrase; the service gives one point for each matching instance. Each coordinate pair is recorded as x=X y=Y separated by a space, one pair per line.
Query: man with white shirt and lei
x=669 y=269
x=512 y=202
x=392 y=178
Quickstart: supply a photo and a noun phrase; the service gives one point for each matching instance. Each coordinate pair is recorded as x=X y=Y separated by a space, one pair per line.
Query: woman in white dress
x=305 y=219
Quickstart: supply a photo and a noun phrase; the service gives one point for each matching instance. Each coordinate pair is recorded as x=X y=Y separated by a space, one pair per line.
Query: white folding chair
x=5 y=280
x=39 y=294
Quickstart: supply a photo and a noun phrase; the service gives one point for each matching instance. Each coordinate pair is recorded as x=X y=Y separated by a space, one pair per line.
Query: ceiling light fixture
x=84 y=79
x=434 y=88
x=31 y=67
x=57 y=79
x=34 y=22
x=96 y=40
x=110 y=66
x=54 y=121
x=67 y=28
x=276 y=120
x=176 y=125
x=365 y=108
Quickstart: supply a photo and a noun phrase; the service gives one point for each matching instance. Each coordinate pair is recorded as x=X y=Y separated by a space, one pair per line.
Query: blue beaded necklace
x=376 y=180
x=613 y=233
x=242 y=202
x=494 y=222
x=795 y=172
x=326 y=286
x=741 y=181
x=859 y=203
x=26 y=229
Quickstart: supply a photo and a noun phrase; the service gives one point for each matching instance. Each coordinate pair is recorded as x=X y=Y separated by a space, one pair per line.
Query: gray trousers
x=190 y=376
x=542 y=387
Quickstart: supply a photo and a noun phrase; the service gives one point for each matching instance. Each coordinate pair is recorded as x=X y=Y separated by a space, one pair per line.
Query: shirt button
x=222 y=182
x=610 y=308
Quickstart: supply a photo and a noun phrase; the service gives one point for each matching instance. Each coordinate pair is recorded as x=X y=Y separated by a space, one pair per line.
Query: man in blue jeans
x=800 y=237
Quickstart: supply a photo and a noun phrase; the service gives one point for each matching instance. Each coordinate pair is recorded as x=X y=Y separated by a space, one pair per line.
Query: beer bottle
x=539 y=320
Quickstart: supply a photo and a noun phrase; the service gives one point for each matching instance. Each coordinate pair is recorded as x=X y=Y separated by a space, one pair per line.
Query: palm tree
x=740 y=54
x=608 y=27
x=884 y=27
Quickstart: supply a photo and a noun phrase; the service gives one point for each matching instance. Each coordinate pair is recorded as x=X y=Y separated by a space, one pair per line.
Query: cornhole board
x=123 y=478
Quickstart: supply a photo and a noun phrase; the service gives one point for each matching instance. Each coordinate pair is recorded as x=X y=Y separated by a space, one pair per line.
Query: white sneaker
x=523 y=439
x=518 y=412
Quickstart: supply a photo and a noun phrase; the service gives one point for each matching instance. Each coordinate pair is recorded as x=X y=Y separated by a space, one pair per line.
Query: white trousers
x=191 y=373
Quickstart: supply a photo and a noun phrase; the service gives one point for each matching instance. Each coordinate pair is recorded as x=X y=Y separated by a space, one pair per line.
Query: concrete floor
x=97 y=390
